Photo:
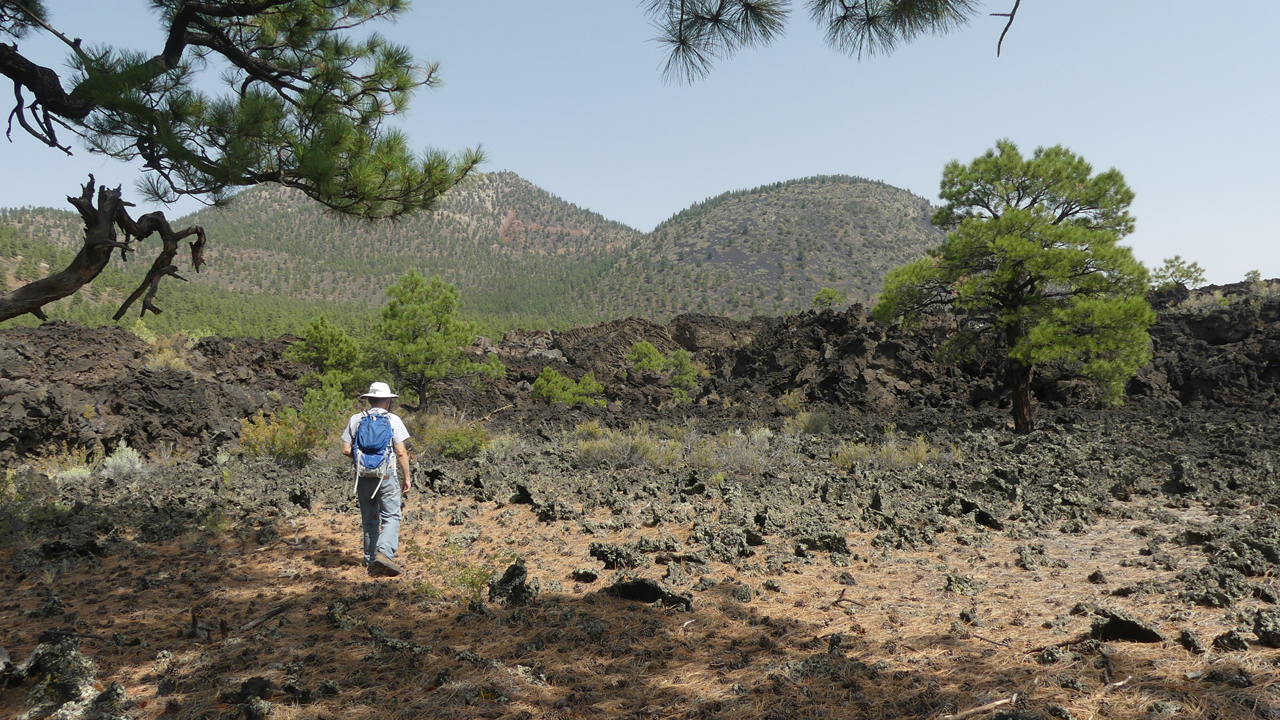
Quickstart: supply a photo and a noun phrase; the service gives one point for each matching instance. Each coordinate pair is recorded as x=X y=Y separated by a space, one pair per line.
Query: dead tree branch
x=1011 y=14
x=100 y=223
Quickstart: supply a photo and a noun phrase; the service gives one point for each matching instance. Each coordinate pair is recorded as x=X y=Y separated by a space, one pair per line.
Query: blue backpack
x=371 y=446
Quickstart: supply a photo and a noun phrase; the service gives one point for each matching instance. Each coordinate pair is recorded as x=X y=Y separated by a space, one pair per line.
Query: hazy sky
x=1182 y=98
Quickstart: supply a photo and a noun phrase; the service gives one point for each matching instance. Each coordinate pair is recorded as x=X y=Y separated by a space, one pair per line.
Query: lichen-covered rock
x=724 y=542
x=63 y=685
x=1266 y=625
x=513 y=587
x=615 y=556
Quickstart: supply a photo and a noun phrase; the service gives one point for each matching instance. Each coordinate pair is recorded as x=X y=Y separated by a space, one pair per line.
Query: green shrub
x=553 y=388
x=283 y=435
x=446 y=435
x=56 y=458
x=683 y=373
x=645 y=357
x=452 y=570
x=827 y=297
x=326 y=409
x=464 y=442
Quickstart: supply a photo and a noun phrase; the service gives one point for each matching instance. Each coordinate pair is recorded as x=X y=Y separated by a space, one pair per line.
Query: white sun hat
x=379 y=391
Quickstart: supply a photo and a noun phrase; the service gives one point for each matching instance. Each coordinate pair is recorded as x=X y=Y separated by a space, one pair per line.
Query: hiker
x=371 y=438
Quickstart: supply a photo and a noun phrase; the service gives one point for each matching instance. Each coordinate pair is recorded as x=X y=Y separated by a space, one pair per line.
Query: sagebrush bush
x=505 y=446
x=590 y=430
x=632 y=448
x=171 y=351
x=553 y=388
x=740 y=453
x=75 y=475
x=124 y=464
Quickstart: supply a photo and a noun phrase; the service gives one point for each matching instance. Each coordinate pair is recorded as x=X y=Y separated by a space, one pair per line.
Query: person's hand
x=404 y=486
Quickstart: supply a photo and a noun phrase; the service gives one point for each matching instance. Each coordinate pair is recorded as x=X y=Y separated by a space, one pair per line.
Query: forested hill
x=770 y=249
x=511 y=247
x=520 y=255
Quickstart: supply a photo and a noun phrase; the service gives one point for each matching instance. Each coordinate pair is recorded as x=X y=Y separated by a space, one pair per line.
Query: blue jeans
x=380 y=516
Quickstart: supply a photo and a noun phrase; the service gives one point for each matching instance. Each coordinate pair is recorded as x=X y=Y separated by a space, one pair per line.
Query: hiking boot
x=382 y=565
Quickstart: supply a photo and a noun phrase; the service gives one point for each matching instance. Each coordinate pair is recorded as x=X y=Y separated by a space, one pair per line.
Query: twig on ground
x=65 y=633
x=842 y=598
x=264 y=617
x=495 y=412
x=981 y=709
x=1001 y=643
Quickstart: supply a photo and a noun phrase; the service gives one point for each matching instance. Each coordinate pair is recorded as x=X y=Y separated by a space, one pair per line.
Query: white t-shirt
x=399 y=433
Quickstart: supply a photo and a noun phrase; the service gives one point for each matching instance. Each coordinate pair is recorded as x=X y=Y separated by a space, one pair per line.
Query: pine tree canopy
x=1032 y=266
x=306 y=99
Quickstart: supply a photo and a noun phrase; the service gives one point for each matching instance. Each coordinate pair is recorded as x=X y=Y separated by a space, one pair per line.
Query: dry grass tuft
x=892 y=452
x=640 y=446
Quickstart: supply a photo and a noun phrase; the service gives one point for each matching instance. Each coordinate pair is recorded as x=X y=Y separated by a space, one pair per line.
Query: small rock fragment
x=1267 y=627
x=1231 y=641
x=964 y=585
x=1191 y=642
x=649 y=591
x=1116 y=625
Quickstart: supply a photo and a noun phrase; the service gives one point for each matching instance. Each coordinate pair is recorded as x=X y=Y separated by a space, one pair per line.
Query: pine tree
x=420 y=338
x=1031 y=266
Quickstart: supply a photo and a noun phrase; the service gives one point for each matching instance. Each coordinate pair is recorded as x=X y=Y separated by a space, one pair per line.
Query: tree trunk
x=1019 y=383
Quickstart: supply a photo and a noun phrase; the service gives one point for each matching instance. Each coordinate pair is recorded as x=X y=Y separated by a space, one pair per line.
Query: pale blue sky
x=1185 y=102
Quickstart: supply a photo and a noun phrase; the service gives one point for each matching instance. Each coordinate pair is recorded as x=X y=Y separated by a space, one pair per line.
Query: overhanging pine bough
x=1031 y=267
x=304 y=107
x=696 y=33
